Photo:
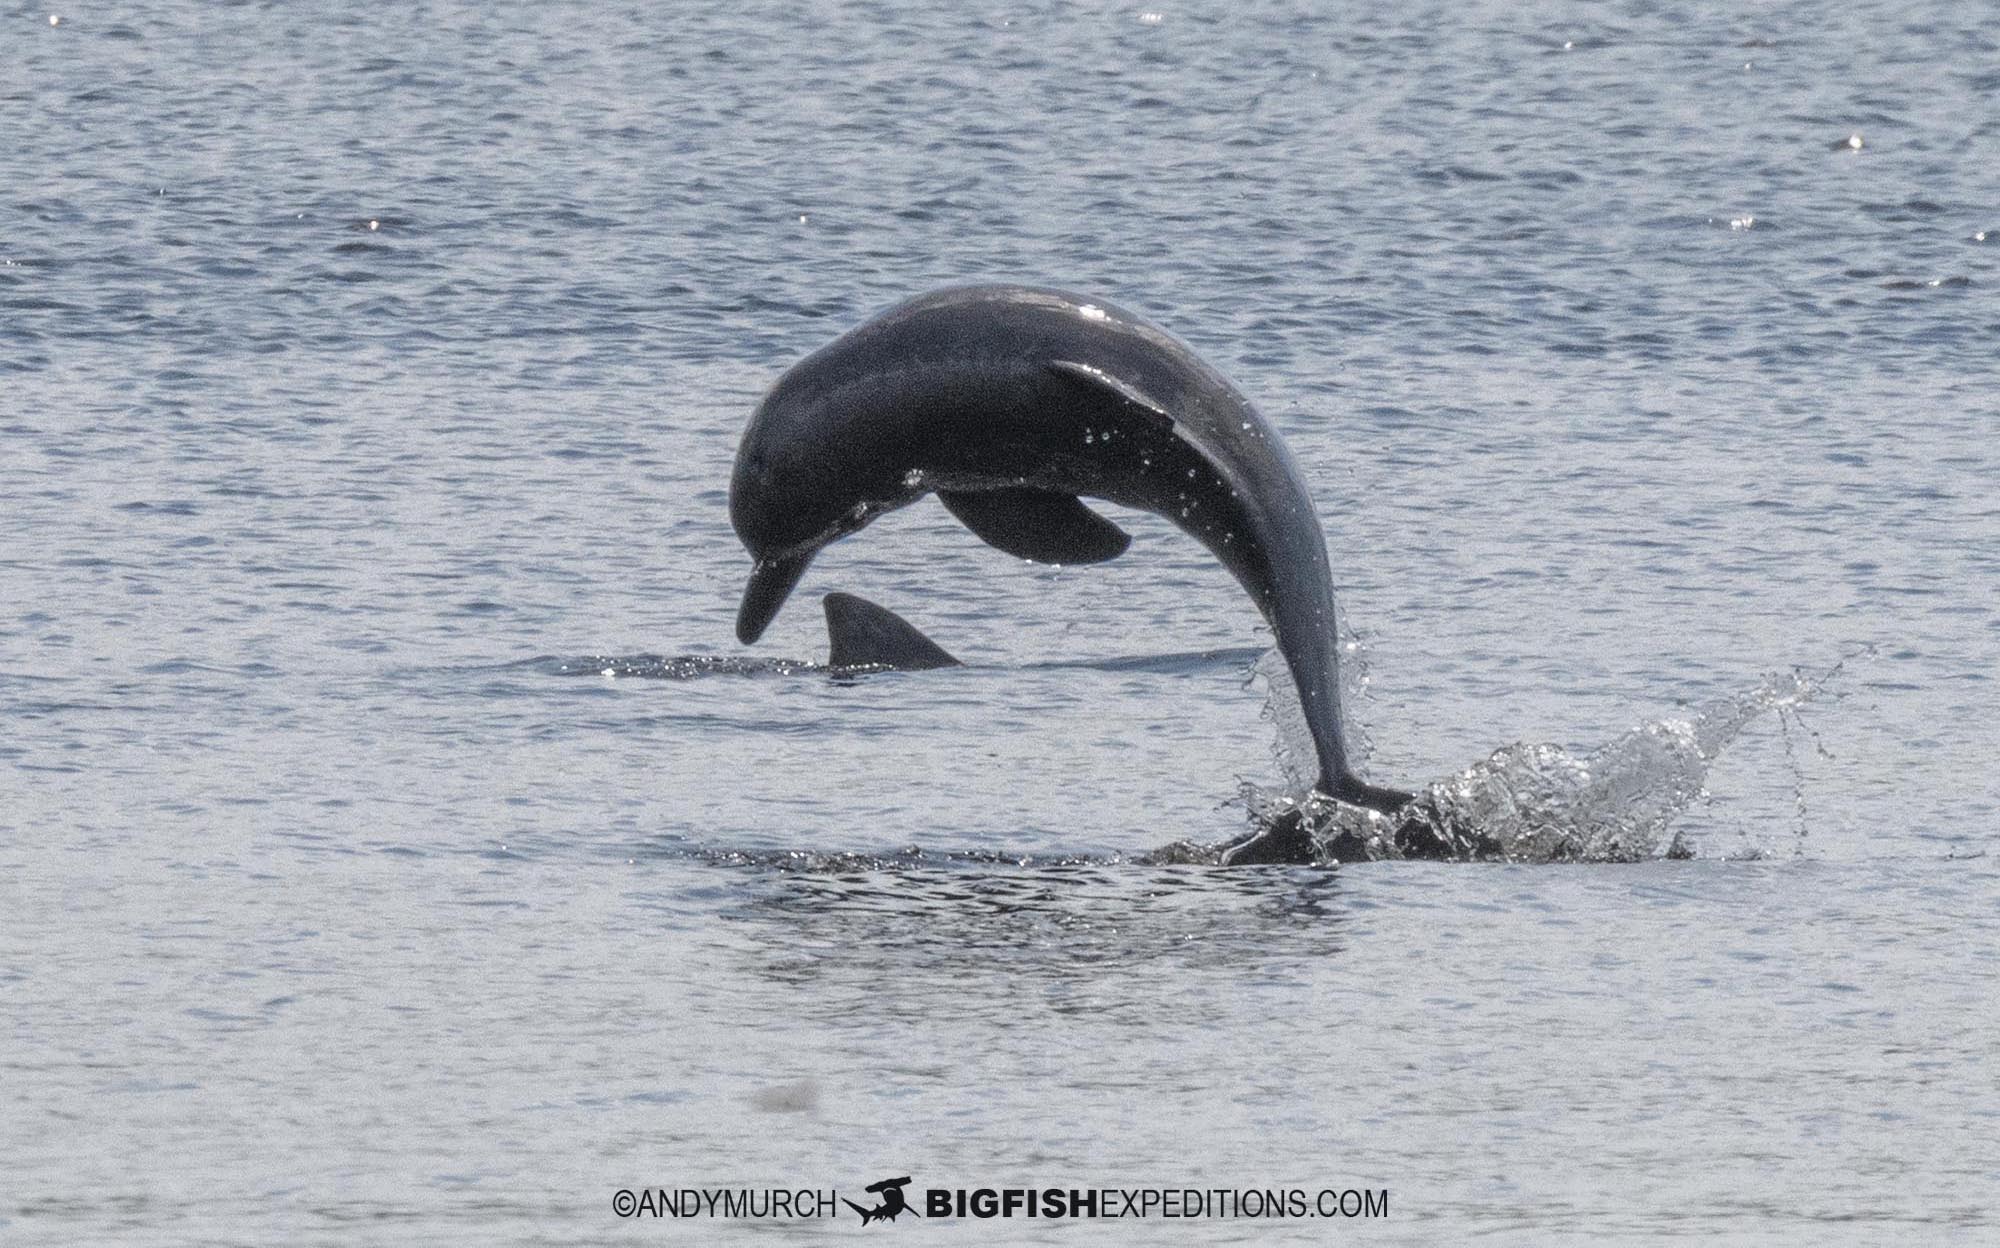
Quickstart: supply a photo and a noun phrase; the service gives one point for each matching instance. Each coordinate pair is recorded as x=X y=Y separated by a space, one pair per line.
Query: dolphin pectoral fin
x=862 y=634
x=1037 y=524
x=1123 y=392
x=770 y=584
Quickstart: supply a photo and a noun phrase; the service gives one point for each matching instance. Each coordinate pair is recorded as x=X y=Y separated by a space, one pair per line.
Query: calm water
x=371 y=378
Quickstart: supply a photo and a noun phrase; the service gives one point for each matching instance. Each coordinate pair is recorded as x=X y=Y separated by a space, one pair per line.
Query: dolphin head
x=802 y=480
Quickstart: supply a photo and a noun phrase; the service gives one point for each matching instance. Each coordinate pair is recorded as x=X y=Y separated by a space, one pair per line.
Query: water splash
x=1293 y=749
x=1539 y=803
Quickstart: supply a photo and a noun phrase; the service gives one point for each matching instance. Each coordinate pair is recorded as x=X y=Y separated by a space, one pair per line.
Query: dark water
x=371 y=378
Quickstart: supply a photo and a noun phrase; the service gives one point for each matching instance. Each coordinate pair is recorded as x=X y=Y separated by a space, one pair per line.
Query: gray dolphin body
x=1010 y=401
x=860 y=633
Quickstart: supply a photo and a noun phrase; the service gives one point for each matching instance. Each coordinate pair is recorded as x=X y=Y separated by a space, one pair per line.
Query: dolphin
x=860 y=633
x=1008 y=402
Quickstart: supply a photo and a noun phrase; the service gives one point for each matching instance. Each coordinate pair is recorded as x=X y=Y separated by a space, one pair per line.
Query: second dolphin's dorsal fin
x=1094 y=378
x=1037 y=524
x=861 y=634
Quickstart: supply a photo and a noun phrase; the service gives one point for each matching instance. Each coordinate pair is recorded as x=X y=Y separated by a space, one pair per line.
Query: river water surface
x=370 y=380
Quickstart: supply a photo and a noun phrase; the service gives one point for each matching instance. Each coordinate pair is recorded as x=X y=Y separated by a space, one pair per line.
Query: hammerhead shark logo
x=891 y=1192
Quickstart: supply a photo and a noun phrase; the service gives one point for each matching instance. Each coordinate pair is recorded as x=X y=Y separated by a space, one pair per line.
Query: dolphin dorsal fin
x=861 y=634
x=1104 y=383
x=1037 y=524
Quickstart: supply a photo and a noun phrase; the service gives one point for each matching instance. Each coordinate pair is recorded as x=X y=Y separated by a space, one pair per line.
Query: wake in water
x=674 y=667
x=1524 y=803
x=698 y=666
x=1533 y=803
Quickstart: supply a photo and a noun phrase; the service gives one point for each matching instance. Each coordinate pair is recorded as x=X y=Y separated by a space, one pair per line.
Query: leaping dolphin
x=1010 y=401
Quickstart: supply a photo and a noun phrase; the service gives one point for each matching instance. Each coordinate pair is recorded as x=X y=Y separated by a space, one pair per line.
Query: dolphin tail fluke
x=1286 y=842
x=861 y=634
x=1357 y=792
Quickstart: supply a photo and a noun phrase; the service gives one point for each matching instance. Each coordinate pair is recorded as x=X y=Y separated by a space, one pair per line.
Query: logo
x=891 y=1192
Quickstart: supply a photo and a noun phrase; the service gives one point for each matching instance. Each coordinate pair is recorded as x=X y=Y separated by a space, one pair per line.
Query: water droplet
x=1091 y=312
x=913 y=478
